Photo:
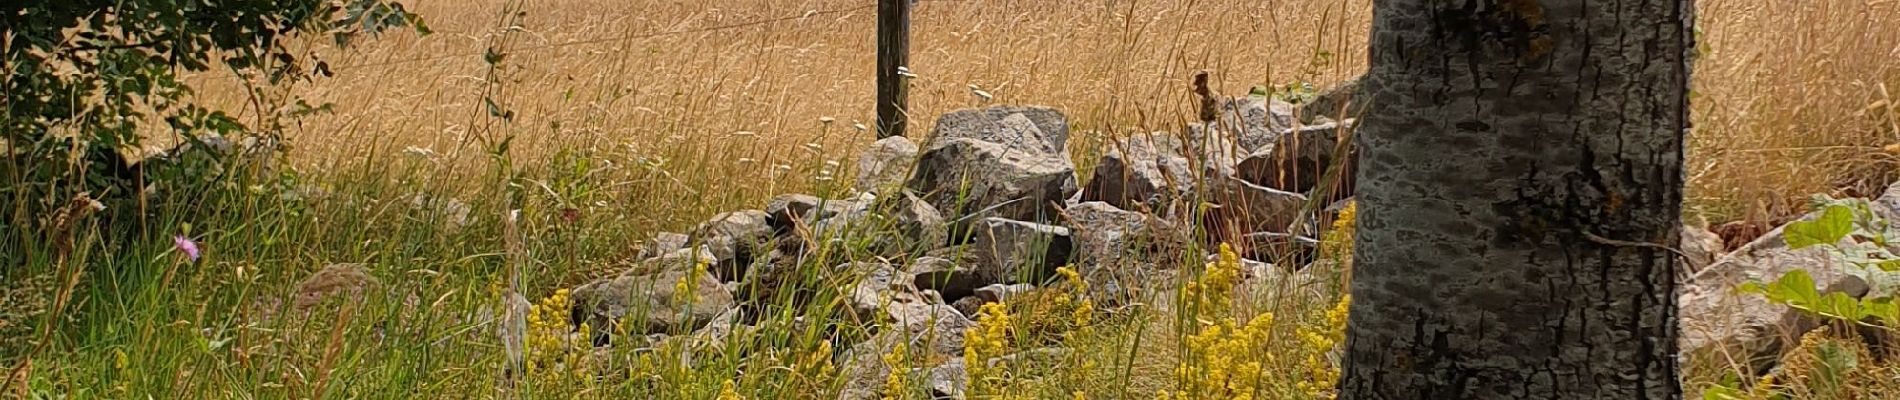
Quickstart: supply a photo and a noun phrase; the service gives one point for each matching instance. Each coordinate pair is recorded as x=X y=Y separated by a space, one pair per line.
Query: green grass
x=143 y=320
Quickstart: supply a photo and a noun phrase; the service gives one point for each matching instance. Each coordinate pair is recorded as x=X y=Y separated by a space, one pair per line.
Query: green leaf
x=1883 y=309
x=1835 y=222
x=1839 y=305
x=1799 y=287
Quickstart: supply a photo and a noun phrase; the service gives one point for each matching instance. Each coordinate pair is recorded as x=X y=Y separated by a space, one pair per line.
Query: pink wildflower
x=187 y=246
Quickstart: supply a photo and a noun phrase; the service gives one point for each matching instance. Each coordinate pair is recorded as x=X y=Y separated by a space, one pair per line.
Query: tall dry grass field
x=1791 y=98
x=624 y=118
x=729 y=109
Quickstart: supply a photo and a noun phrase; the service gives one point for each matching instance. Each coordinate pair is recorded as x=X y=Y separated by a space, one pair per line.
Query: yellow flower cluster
x=815 y=366
x=729 y=391
x=1336 y=244
x=1084 y=308
x=897 y=383
x=989 y=338
x=1210 y=296
x=1322 y=374
x=684 y=289
x=1225 y=361
x=548 y=341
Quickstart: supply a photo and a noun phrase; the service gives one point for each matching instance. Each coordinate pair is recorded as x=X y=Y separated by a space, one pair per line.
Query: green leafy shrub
x=1832 y=362
x=1859 y=239
x=87 y=81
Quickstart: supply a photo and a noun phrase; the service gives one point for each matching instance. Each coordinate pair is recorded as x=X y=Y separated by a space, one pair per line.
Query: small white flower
x=826 y=120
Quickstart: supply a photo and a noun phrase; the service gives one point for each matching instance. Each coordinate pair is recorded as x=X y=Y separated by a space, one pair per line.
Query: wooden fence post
x=893 y=55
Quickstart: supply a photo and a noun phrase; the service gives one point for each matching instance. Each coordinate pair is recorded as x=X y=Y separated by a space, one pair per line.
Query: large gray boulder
x=1298 y=161
x=735 y=239
x=863 y=365
x=1217 y=152
x=1339 y=102
x=1010 y=251
x=1009 y=161
x=884 y=292
x=786 y=210
x=1116 y=247
x=917 y=224
x=1107 y=236
x=1142 y=171
x=949 y=380
x=1035 y=129
x=650 y=302
x=886 y=163
x=949 y=278
x=967 y=176
x=1241 y=208
x=1718 y=321
x=662 y=243
x=1254 y=121
x=1700 y=247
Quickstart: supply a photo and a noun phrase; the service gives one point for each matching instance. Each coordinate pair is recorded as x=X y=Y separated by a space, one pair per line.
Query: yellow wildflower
x=727 y=391
x=896 y=383
x=989 y=338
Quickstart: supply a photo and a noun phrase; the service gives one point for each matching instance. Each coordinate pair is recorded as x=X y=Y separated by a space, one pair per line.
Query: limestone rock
x=1142 y=171
x=644 y=303
x=886 y=164
x=1716 y=319
x=1011 y=251
x=1036 y=129
x=1242 y=208
x=950 y=279
x=662 y=243
x=1300 y=160
x=965 y=176
x=1011 y=161
x=1339 y=102
x=735 y=239
x=1255 y=121
x=1701 y=247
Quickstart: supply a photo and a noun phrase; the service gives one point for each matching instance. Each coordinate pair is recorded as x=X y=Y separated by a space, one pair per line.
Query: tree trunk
x=1522 y=172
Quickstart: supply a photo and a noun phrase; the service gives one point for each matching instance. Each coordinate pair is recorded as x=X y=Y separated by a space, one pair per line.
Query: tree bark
x=1521 y=176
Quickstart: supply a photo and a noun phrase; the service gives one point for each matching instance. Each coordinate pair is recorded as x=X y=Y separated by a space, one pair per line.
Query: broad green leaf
x=1834 y=224
x=1884 y=309
x=1839 y=305
x=1797 y=287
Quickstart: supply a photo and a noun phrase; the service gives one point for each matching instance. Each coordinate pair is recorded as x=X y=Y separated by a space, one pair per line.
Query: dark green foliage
x=81 y=76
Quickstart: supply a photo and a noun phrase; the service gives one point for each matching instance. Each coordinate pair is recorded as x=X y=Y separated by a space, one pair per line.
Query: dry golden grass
x=1789 y=94
x=1793 y=98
